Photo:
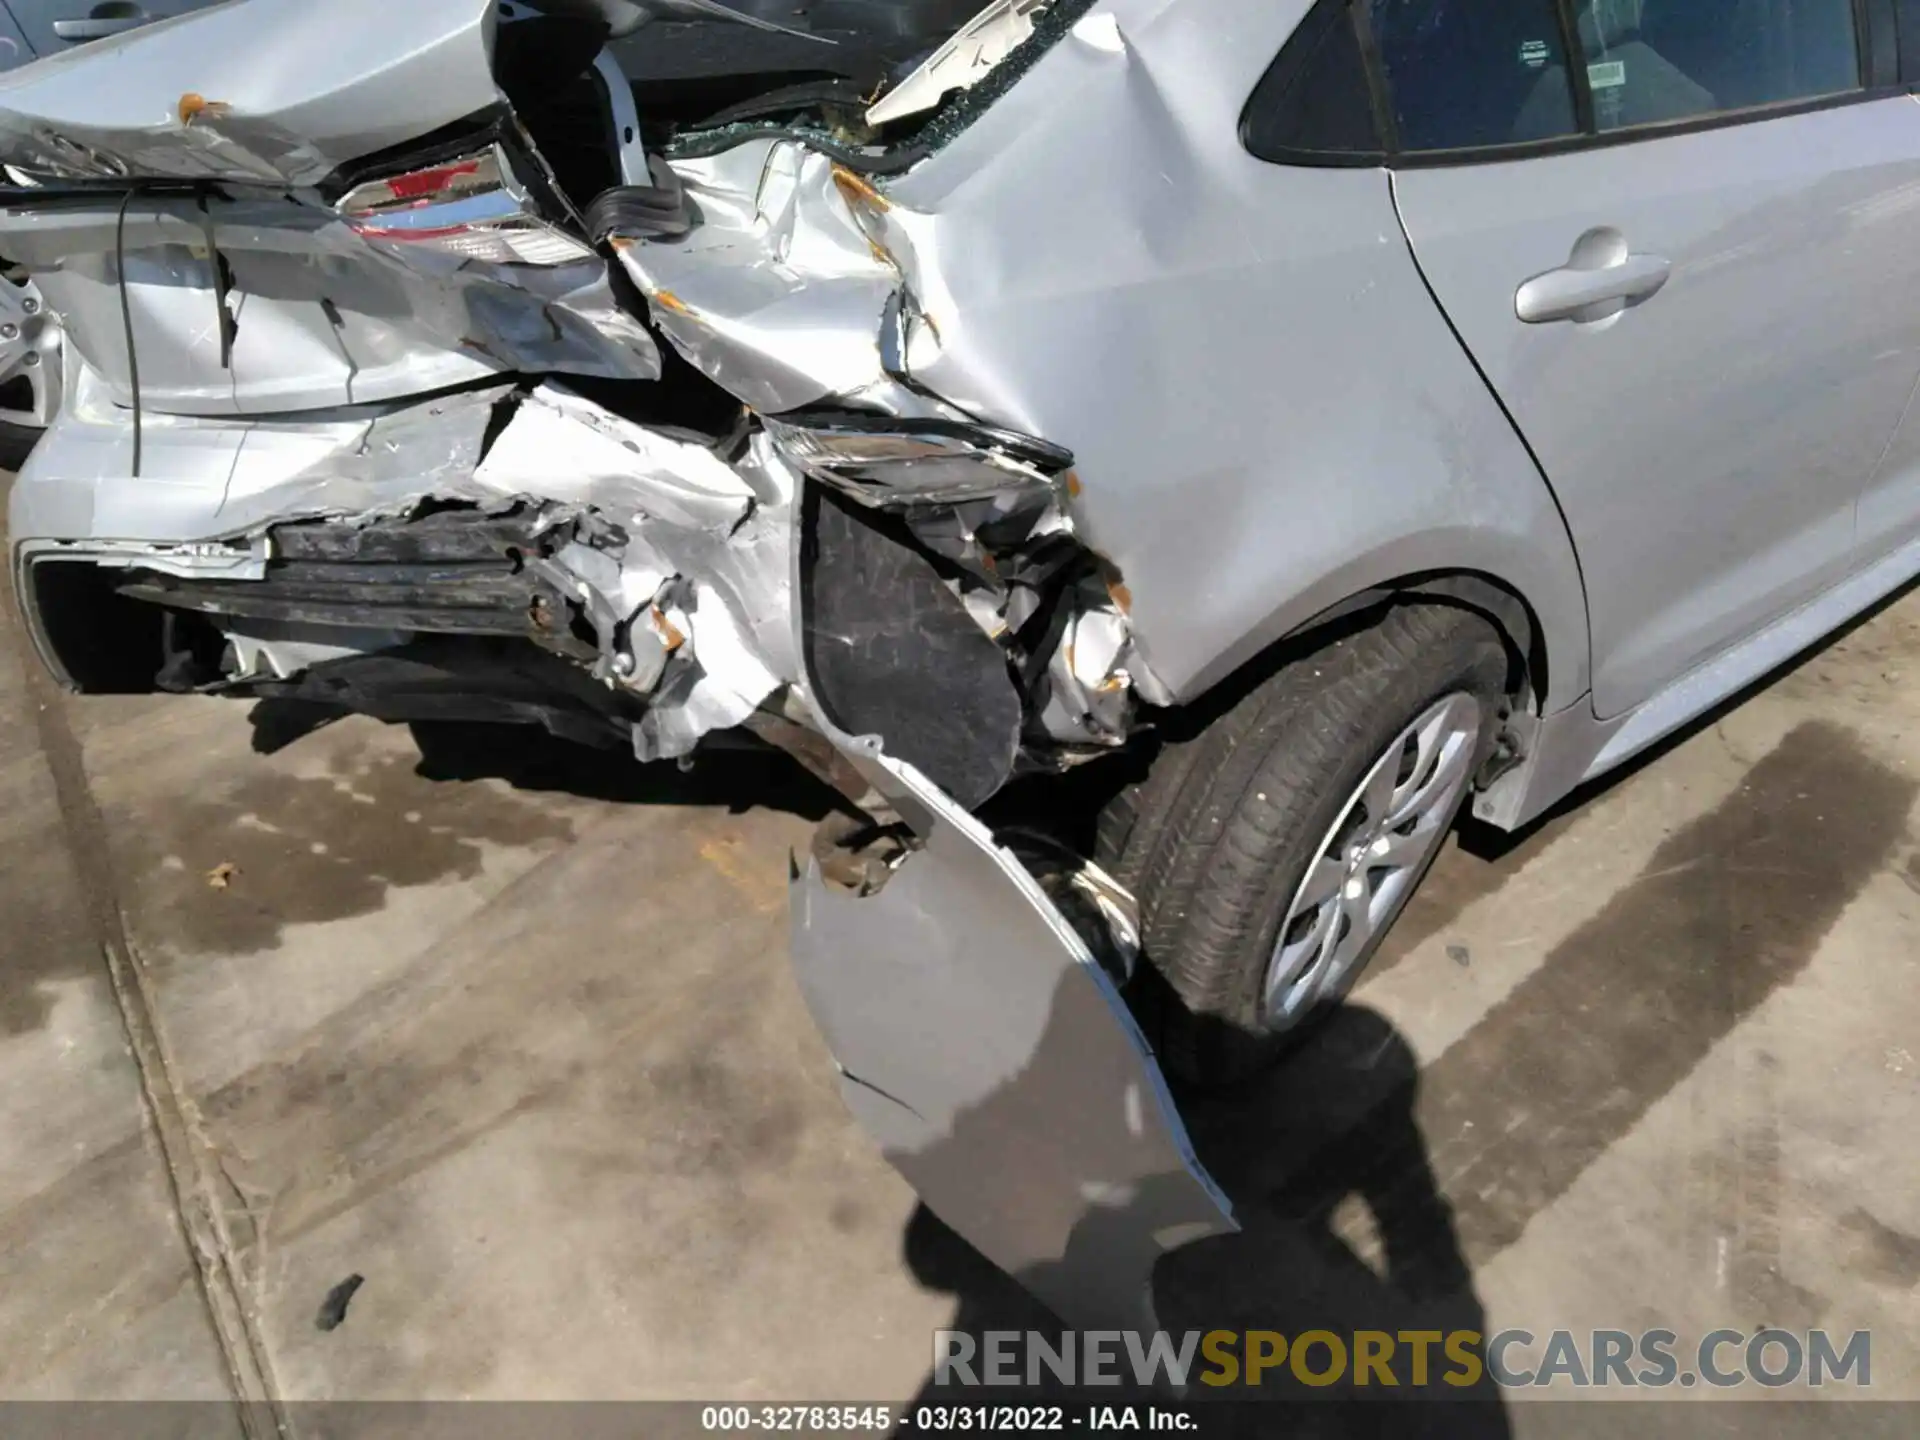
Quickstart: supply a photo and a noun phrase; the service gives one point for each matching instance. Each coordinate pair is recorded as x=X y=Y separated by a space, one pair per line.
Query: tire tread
x=1200 y=840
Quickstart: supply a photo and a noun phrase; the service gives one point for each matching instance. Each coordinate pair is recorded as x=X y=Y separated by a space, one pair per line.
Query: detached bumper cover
x=997 y=1065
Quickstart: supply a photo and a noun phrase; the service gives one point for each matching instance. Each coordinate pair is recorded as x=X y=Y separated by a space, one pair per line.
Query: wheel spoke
x=1303 y=953
x=1441 y=770
x=13 y=318
x=29 y=350
x=1377 y=794
x=1395 y=851
x=1356 y=905
x=1321 y=885
x=1369 y=859
x=1346 y=939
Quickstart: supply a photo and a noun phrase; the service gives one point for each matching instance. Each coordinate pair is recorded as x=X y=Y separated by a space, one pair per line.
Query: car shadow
x=1343 y=1229
x=744 y=775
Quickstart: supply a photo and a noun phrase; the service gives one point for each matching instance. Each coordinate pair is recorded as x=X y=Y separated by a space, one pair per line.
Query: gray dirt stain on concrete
x=45 y=934
x=309 y=849
x=1729 y=909
x=1881 y=1253
x=88 y=1233
x=1740 y=1202
x=47 y=939
x=423 y=1069
x=1910 y=876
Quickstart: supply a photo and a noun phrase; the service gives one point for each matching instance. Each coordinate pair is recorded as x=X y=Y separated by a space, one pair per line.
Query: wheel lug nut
x=32 y=307
x=9 y=331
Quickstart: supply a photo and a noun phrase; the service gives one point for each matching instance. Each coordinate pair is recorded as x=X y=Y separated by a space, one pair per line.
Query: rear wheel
x=29 y=367
x=1272 y=852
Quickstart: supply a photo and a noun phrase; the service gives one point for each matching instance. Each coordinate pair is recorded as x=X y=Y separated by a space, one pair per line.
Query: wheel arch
x=1543 y=622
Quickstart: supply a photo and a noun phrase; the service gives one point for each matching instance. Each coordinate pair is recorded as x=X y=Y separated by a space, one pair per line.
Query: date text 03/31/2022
x=979 y=1419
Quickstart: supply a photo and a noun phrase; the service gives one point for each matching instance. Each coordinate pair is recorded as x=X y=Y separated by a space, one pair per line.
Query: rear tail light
x=472 y=208
x=891 y=462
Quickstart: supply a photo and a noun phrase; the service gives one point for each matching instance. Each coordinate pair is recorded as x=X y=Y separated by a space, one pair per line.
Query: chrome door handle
x=1600 y=279
x=80 y=30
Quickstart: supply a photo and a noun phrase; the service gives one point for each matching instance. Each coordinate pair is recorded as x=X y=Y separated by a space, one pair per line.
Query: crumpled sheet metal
x=705 y=567
x=993 y=1059
x=779 y=292
x=704 y=570
x=1101 y=240
x=1094 y=242
x=206 y=478
x=740 y=615
x=379 y=327
x=269 y=648
x=798 y=285
x=277 y=92
x=573 y=449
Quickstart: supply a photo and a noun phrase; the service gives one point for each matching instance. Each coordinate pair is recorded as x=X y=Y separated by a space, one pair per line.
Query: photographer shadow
x=1343 y=1230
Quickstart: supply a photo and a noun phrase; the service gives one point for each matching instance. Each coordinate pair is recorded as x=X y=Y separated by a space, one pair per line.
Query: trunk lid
x=190 y=209
x=277 y=92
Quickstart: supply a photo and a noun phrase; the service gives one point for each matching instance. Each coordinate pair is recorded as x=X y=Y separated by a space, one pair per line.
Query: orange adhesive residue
x=193 y=106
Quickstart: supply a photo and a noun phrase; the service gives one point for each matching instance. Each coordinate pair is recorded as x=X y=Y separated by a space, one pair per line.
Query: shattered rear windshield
x=708 y=85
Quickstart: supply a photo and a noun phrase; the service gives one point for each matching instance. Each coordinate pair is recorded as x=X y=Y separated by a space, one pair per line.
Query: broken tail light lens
x=471 y=208
x=903 y=462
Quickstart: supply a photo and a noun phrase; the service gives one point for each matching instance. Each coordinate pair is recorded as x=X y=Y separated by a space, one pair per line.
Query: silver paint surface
x=321 y=316
x=287 y=91
x=1709 y=444
x=1200 y=328
x=1000 y=1070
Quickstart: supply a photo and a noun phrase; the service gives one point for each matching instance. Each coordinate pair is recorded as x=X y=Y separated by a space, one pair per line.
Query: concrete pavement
x=508 y=1031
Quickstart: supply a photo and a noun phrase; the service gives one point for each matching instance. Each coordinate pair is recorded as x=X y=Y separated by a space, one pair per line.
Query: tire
x=1217 y=840
x=16 y=443
x=30 y=366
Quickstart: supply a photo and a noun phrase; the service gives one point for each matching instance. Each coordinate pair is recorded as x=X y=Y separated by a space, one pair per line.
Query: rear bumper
x=990 y=1054
x=380 y=563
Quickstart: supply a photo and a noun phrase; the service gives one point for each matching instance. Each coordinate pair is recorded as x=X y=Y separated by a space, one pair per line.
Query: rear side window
x=1651 y=62
x=1317 y=102
x=1453 y=75
x=1467 y=73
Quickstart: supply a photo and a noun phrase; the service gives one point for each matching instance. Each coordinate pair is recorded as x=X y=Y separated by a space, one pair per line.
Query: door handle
x=96 y=29
x=1601 y=278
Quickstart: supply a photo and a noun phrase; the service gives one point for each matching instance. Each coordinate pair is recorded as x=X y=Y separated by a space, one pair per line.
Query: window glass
x=1653 y=61
x=1316 y=100
x=1474 y=72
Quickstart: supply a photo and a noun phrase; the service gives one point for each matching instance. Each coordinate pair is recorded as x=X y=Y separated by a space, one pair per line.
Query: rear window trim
x=1876 y=29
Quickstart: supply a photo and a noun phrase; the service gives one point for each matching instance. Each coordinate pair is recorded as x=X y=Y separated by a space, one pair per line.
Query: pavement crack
x=196 y=1184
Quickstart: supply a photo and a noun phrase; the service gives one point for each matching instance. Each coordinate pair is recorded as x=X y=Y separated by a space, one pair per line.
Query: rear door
x=1679 y=238
x=51 y=26
x=14 y=49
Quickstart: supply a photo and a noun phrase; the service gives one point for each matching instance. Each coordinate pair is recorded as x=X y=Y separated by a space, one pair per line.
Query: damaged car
x=30 y=365
x=1309 y=420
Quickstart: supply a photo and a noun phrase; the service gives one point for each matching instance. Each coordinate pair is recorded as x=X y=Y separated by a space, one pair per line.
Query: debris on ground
x=333 y=1310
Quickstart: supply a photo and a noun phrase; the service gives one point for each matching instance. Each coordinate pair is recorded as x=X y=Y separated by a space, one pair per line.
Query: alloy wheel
x=1375 y=853
x=29 y=356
